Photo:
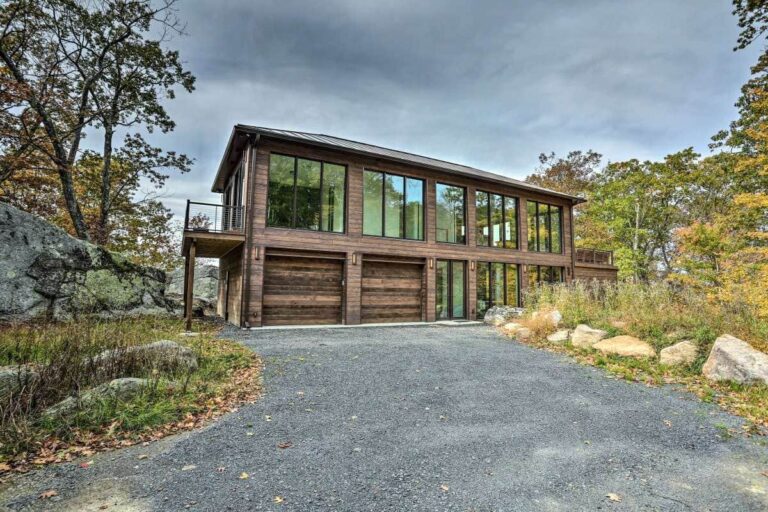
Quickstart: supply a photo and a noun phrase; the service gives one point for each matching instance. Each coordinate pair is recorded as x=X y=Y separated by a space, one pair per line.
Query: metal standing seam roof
x=393 y=154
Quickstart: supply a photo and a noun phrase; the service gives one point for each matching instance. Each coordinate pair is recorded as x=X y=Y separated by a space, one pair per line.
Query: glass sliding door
x=457 y=289
x=443 y=290
x=450 y=293
x=497 y=284
x=483 y=286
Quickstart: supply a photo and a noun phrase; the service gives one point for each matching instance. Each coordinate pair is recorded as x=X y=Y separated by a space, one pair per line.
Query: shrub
x=659 y=312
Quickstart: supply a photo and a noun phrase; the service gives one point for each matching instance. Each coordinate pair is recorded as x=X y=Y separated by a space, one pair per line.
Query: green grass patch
x=227 y=375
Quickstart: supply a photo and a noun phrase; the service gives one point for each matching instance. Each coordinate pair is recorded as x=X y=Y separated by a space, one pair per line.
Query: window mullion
x=383 y=203
x=320 y=220
x=295 y=178
x=402 y=222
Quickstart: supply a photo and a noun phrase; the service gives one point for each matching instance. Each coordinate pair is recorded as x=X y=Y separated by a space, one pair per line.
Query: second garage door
x=302 y=291
x=392 y=292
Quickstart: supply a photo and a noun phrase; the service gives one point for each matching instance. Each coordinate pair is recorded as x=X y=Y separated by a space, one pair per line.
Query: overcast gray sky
x=485 y=83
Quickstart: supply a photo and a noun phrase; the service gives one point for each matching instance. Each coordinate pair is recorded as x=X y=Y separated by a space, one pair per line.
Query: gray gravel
x=428 y=418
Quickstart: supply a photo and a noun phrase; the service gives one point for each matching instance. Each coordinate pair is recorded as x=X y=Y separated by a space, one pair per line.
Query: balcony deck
x=593 y=264
x=215 y=229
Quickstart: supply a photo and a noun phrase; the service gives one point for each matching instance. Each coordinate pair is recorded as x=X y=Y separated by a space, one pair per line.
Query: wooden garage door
x=302 y=291
x=392 y=292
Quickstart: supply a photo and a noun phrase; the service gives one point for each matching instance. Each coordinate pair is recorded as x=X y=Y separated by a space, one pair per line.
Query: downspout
x=573 y=245
x=248 y=248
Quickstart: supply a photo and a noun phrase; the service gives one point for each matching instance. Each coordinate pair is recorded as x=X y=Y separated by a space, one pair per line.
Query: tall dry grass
x=64 y=356
x=658 y=312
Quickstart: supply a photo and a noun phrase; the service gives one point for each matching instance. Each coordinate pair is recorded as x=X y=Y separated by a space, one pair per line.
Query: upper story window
x=233 y=200
x=306 y=194
x=233 y=192
x=450 y=214
x=496 y=220
x=393 y=206
x=545 y=227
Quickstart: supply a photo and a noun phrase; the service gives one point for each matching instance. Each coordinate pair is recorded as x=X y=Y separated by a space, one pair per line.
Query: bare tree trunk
x=106 y=180
x=636 y=237
x=63 y=166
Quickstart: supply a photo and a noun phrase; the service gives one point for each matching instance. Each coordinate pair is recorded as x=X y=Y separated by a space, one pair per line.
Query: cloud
x=490 y=84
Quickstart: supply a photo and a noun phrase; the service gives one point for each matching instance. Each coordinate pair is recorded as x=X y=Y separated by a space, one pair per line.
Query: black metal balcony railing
x=213 y=218
x=594 y=256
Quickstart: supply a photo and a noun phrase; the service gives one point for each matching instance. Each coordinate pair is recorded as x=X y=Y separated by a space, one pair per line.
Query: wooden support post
x=190 y=284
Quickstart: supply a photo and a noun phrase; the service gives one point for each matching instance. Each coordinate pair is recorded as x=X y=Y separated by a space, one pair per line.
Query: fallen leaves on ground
x=613 y=497
x=243 y=476
x=50 y=493
x=278 y=499
x=243 y=388
x=444 y=488
x=286 y=444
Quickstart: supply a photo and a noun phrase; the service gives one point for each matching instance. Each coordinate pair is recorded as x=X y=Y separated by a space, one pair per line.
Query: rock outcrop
x=560 y=337
x=206 y=288
x=585 y=337
x=736 y=360
x=117 y=389
x=13 y=379
x=553 y=317
x=627 y=346
x=499 y=315
x=45 y=273
x=163 y=356
x=682 y=353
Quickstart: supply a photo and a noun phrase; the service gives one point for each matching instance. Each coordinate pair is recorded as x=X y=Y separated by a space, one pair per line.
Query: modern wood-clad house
x=315 y=229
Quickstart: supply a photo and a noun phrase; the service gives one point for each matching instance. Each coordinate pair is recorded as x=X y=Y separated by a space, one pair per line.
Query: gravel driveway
x=428 y=418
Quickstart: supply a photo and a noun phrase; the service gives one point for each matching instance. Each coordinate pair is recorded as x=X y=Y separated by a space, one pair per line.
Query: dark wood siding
x=353 y=245
x=586 y=272
x=392 y=292
x=231 y=285
x=302 y=290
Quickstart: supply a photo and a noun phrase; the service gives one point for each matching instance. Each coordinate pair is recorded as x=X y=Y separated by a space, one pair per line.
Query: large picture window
x=544 y=274
x=306 y=194
x=496 y=220
x=497 y=284
x=545 y=230
x=393 y=206
x=450 y=214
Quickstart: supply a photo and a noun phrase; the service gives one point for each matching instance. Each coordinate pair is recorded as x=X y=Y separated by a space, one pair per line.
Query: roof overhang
x=240 y=134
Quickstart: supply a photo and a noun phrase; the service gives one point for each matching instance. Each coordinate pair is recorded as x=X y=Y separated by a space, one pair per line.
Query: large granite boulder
x=627 y=346
x=553 y=317
x=206 y=285
x=163 y=356
x=585 y=337
x=118 y=389
x=500 y=315
x=559 y=337
x=45 y=273
x=736 y=360
x=682 y=353
x=16 y=378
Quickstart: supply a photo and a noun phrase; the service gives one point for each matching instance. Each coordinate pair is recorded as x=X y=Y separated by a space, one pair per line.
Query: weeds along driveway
x=429 y=418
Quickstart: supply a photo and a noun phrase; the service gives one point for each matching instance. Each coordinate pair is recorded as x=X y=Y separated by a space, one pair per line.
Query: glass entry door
x=450 y=296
